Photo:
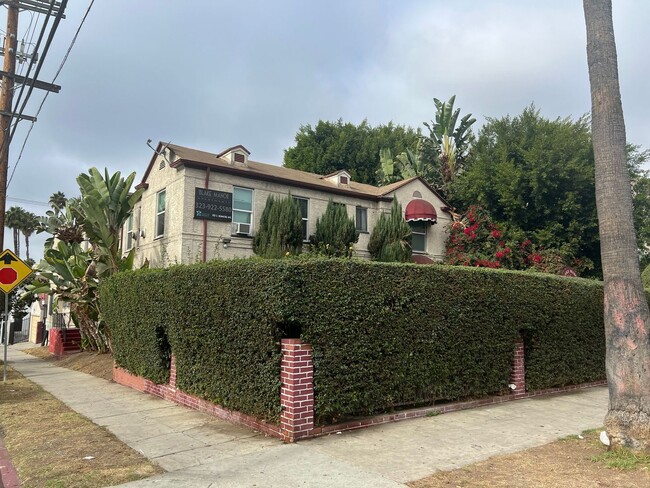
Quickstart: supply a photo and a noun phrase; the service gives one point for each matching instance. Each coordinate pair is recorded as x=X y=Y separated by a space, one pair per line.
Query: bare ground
x=47 y=442
x=571 y=462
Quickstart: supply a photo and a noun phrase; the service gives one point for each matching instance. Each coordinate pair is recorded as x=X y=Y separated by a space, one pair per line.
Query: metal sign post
x=4 y=363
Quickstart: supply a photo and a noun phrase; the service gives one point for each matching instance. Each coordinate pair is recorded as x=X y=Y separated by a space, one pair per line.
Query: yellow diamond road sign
x=13 y=271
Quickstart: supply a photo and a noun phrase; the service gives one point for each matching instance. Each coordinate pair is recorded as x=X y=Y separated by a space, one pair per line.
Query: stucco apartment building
x=198 y=206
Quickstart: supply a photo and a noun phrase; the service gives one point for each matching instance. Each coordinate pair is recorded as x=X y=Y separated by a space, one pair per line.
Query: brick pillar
x=172 y=372
x=297 y=390
x=518 y=376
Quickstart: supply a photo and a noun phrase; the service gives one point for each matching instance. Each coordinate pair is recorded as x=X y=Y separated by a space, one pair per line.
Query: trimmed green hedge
x=384 y=335
x=134 y=306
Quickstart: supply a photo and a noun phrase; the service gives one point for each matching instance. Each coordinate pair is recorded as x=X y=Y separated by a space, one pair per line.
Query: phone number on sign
x=213 y=207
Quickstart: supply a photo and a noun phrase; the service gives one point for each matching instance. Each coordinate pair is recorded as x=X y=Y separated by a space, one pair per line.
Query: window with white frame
x=418 y=236
x=361 y=219
x=242 y=206
x=303 y=203
x=160 y=213
x=129 y=233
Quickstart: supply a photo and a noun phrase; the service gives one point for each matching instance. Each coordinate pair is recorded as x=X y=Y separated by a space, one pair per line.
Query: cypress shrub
x=391 y=238
x=335 y=232
x=280 y=230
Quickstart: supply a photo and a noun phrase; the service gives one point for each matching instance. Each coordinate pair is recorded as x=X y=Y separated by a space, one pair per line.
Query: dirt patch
x=99 y=365
x=47 y=442
x=574 y=462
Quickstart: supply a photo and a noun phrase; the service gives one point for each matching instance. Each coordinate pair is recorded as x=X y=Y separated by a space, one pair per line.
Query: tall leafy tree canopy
x=536 y=175
x=332 y=146
x=640 y=199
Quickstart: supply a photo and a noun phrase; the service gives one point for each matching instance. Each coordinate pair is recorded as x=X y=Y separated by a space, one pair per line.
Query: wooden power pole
x=6 y=100
x=9 y=78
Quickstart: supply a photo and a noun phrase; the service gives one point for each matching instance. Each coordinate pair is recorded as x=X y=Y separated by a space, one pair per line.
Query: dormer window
x=339 y=178
x=235 y=155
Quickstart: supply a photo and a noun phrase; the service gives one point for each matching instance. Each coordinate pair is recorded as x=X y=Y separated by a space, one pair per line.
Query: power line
x=41 y=60
x=65 y=58
x=10 y=131
x=30 y=202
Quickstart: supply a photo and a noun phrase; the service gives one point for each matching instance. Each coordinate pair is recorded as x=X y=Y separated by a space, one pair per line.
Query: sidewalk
x=201 y=451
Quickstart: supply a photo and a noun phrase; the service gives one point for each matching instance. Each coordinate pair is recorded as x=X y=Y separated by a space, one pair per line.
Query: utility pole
x=9 y=78
x=6 y=100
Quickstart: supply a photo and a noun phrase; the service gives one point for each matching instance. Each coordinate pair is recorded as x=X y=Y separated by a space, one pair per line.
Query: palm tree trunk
x=627 y=318
x=27 y=246
x=17 y=242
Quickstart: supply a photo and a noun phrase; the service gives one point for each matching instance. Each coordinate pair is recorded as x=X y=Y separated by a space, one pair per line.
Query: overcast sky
x=212 y=74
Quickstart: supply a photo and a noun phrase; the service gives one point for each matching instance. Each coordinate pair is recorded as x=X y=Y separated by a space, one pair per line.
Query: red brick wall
x=297 y=396
x=169 y=392
x=518 y=376
x=297 y=391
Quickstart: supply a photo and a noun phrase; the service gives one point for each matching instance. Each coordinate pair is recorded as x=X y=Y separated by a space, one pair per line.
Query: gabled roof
x=195 y=158
x=230 y=149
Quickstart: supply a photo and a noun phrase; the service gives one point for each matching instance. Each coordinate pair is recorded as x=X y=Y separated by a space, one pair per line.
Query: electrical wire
x=30 y=202
x=65 y=58
x=10 y=131
x=41 y=60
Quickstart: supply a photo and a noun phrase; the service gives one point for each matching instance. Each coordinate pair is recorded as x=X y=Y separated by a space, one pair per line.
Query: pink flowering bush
x=475 y=240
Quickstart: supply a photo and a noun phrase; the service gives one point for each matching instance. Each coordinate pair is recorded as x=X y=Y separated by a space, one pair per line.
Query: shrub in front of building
x=336 y=233
x=390 y=239
x=280 y=231
x=137 y=305
x=384 y=335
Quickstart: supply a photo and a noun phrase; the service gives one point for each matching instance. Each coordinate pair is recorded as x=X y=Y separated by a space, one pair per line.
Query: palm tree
x=58 y=200
x=627 y=317
x=29 y=225
x=14 y=220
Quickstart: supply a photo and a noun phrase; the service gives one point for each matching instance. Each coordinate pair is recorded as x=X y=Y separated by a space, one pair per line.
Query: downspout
x=204 y=251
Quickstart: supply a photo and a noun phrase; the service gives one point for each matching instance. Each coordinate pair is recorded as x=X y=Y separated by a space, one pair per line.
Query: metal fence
x=22 y=334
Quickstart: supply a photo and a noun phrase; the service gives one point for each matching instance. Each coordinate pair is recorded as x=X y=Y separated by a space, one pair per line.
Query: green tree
x=645 y=276
x=280 y=230
x=390 y=239
x=626 y=312
x=640 y=199
x=15 y=220
x=29 y=225
x=536 y=176
x=446 y=148
x=58 y=200
x=335 y=232
x=333 y=146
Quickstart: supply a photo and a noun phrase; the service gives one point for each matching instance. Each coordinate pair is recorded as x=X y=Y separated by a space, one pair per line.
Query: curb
x=8 y=474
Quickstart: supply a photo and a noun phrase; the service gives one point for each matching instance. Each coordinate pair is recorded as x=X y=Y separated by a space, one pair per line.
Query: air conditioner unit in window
x=241 y=229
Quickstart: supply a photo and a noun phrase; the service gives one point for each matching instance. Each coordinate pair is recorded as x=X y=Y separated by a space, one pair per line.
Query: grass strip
x=47 y=442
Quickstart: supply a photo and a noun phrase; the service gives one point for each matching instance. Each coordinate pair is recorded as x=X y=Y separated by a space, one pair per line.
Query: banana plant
x=106 y=204
x=447 y=145
x=72 y=272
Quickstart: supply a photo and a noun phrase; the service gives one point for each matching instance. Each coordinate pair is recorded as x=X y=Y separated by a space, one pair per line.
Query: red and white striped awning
x=420 y=210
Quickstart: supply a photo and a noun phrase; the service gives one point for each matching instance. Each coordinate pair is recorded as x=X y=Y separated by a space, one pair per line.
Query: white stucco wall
x=183 y=239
